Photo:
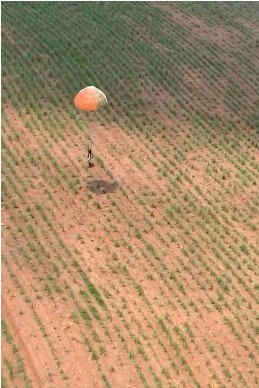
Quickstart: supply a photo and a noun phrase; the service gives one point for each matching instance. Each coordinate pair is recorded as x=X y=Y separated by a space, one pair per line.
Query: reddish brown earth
x=141 y=271
x=91 y=227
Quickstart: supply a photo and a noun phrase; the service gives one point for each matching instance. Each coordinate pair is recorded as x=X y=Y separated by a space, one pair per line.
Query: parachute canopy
x=90 y=99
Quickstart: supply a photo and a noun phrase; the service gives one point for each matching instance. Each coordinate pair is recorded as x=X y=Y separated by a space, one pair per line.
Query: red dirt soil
x=62 y=347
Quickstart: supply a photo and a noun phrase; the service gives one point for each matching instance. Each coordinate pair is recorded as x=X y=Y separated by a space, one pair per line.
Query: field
x=143 y=270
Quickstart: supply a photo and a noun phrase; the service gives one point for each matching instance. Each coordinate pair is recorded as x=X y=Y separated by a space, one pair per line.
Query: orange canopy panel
x=90 y=99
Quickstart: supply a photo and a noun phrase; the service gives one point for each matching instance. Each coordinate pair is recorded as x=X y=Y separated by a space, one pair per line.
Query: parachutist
x=90 y=154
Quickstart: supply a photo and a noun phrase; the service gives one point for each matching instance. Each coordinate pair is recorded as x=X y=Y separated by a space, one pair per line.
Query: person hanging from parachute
x=90 y=153
x=90 y=99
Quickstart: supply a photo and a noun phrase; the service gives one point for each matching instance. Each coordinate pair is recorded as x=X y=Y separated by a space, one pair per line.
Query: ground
x=141 y=270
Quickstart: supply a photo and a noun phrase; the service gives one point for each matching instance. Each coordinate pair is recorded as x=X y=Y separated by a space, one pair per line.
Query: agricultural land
x=141 y=271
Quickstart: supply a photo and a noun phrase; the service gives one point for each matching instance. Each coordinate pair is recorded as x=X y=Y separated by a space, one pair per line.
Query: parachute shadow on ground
x=100 y=186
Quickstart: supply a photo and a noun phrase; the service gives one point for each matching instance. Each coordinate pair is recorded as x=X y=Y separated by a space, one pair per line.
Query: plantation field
x=143 y=270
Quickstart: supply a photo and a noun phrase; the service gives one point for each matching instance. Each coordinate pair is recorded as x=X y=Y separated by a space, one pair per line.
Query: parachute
x=90 y=99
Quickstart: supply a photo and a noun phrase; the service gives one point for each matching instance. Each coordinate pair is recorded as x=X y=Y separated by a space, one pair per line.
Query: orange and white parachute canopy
x=90 y=99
